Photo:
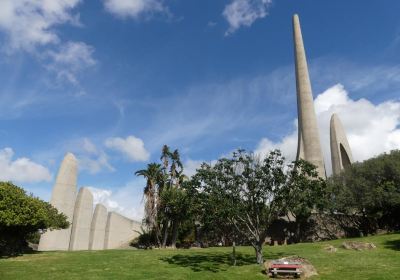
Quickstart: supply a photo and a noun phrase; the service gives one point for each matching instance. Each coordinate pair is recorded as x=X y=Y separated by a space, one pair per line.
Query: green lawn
x=213 y=263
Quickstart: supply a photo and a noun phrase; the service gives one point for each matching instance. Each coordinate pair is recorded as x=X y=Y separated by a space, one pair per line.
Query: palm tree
x=175 y=164
x=165 y=155
x=153 y=175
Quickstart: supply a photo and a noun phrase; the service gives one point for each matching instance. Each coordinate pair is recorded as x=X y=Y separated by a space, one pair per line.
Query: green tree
x=368 y=193
x=22 y=215
x=255 y=192
x=153 y=174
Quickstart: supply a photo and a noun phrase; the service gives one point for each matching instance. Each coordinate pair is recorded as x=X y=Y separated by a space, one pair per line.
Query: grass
x=212 y=263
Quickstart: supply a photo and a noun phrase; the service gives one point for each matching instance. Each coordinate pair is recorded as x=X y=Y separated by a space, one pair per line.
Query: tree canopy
x=21 y=215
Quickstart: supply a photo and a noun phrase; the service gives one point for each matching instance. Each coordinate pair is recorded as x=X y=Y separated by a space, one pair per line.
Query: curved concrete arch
x=82 y=220
x=341 y=155
x=62 y=198
x=98 y=228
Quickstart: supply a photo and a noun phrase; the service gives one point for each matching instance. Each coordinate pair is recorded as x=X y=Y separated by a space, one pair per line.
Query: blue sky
x=114 y=80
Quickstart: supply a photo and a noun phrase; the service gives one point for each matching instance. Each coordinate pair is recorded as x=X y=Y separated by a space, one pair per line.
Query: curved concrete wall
x=341 y=155
x=82 y=220
x=119 y=231
x=98 y=228
x=62 y=198
x=309 y=146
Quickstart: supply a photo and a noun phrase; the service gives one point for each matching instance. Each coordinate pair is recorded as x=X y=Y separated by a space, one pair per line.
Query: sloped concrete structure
x=340 y=150
x=82 y=221
x=62 y=198
x=309 y=146
x=119 y=231
x=98 y=228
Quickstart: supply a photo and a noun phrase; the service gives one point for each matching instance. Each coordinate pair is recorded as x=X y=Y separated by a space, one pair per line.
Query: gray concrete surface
x=83 y=214
x=62 y=198
x=309 y=146
x=98 y=228
x=341 y=155
x=119 y=231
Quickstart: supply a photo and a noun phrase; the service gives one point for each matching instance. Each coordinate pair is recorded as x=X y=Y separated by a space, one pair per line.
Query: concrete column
x=120 y=231
x=341 y=155
x=82 y=220
x=309 y=146
x=62 y=198
x=98 y=228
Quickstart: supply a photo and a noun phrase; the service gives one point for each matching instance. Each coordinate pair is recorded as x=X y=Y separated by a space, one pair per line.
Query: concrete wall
x=119 y=231
x=98 y=228
x=82 y=221
x=62 y=198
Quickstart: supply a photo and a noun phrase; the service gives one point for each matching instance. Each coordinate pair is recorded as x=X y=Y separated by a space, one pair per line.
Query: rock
x=307 y=269
x=359 y=246
x=330 y=249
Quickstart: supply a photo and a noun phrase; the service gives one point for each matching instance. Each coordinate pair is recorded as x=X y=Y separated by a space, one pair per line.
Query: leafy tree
x=165 y=200
x=368 y=193
x=22 y=215
x=252 y=193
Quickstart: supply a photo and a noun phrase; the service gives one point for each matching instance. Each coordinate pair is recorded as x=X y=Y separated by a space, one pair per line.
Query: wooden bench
x=281 y=267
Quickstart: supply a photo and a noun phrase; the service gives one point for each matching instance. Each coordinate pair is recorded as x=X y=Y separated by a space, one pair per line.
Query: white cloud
x=94 y=163
x=29 y=23
x=190 y=166
x=126 y=200
x=134 y=8
x=244 y=13
x=90 y=158
x=371 y=129
x=131 y=147
x=70 y=59
x=22 y=169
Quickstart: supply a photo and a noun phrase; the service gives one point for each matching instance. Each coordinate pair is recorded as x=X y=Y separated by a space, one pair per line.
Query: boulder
x=358 y=246
x=330 y=249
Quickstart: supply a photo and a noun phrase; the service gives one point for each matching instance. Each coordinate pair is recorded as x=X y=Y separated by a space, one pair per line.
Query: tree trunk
x=259 y=253
x=234 y=252
x=165 y=235
x=175 y=227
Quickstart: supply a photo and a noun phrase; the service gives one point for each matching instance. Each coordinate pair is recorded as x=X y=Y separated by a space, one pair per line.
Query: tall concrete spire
x=340 y=150
x=309 y=146
x=62 y=198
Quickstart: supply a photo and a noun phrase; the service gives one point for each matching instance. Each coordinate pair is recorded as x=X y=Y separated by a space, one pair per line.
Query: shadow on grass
x=215 y=262
x=209 y=262
x=393 y=244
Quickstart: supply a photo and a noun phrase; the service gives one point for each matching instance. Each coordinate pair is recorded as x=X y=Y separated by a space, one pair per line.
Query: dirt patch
x=307 y=268
x=358 y=246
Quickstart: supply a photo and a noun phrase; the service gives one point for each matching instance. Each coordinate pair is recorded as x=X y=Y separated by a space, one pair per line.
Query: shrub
x=23 y=215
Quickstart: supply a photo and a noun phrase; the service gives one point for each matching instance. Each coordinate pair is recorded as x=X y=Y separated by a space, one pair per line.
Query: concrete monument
x=309 y=146
x=98 y=228
x=340 y=150
x=120 y=230
x=62 y=198
x=82 y=220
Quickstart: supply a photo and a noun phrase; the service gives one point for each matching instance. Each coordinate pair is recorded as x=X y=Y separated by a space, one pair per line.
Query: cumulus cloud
x=371 y=128
x=131 y=147
x=21 y=170
x=30 y=23
x=241 y=13
x=126 y=200
x=90 y=157
x=70 y=59
x=134 y=8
